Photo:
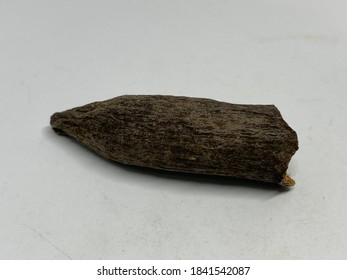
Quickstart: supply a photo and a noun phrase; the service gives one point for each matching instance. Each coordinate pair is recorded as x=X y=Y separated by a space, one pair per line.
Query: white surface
x=58 y=200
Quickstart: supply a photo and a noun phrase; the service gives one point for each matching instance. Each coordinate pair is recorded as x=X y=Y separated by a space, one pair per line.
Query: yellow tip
x=287 y=181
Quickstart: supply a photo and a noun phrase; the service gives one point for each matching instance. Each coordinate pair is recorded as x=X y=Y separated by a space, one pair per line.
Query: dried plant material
x=185 y=134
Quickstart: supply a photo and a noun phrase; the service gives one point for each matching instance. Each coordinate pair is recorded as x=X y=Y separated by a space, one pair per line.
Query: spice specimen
x=185 y=134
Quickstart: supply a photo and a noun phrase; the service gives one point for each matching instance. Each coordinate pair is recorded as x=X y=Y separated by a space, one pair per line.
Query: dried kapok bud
x=185 y=134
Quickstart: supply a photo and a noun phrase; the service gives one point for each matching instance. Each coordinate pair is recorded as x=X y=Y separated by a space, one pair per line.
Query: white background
x=59 y=201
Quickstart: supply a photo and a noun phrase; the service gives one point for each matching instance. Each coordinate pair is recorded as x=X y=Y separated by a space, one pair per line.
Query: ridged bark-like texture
x=185 y=134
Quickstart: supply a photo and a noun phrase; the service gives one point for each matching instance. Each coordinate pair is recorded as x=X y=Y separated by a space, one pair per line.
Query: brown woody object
x=185 y=134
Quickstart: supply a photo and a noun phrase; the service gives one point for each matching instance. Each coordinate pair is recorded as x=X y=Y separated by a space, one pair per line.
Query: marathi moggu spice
x=185 y=134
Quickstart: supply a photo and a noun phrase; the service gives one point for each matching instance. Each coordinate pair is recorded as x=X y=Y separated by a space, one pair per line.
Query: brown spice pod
x=185 y=134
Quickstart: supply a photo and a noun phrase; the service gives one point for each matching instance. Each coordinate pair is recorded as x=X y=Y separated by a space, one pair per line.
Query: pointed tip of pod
x=55 y=123
x=287 y=181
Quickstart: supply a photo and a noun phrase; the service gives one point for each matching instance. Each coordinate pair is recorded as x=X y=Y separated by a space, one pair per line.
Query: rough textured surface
x=185 y=134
